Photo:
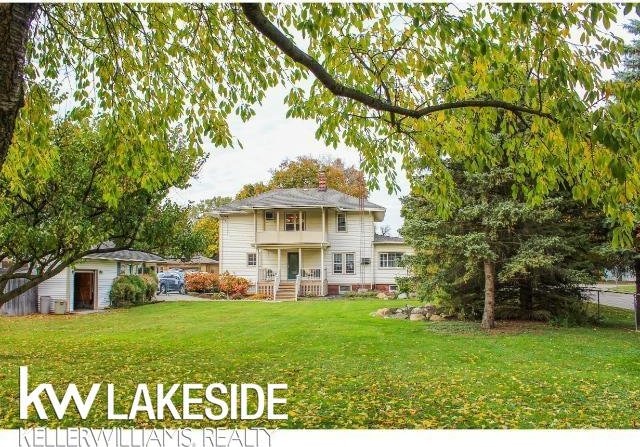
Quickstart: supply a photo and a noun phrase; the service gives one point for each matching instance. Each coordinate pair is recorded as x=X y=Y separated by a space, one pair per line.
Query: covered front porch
x=281 y=267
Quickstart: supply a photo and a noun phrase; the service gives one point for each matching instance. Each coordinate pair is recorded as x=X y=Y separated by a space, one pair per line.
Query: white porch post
x=324 y=231
x=279 y=264
x=278 y=223
x=321 y=270
x=258 y=263
x=300 y=261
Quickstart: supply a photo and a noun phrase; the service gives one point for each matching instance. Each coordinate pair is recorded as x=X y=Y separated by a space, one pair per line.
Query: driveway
x=614 y=299
x=178 y=297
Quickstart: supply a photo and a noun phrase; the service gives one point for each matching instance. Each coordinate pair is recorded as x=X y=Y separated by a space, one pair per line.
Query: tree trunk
x=636 y=297
x=488 y=316
x=526 y=298
x=15 y=21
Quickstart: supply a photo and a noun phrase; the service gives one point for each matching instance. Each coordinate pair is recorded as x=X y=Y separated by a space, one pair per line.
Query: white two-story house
x=308 y=242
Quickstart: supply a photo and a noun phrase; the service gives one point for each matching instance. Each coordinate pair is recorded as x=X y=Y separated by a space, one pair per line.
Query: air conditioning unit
x=365 y=261
x=59 y=307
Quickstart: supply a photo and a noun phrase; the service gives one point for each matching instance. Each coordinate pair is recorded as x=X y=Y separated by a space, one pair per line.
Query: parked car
x=171 y=282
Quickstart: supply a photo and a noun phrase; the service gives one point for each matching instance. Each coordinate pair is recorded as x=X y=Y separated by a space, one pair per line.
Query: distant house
x=197 y=263
x=86 y=285
x=308 y=241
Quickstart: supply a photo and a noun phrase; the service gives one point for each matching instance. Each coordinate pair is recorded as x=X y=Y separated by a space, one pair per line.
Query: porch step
x=286 y=291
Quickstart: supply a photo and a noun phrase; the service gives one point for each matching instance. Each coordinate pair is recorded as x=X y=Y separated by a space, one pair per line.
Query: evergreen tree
x=527 y=260
x=631 y=58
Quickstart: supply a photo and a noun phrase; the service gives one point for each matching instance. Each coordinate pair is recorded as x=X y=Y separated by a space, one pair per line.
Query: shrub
x=201 y=282
x=260 y=296
x=127 y=290
x=234 y=286
x=151 y=285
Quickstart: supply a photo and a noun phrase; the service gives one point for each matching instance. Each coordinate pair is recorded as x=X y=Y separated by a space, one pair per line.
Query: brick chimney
x=322 y=181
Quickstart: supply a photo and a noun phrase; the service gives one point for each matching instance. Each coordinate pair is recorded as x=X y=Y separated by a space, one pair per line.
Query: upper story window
x=251 y=259
x=269 y=215
x=294 y=221
x=391 y=259
x=341 y=222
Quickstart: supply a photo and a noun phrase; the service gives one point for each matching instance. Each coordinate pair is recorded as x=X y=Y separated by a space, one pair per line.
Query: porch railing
x=312 y=274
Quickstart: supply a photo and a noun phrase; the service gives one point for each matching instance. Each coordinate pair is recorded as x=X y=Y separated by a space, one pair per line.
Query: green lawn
x=344 y=368
x=627 y=288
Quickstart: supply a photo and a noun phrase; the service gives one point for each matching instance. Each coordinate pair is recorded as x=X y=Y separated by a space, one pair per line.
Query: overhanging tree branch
x=253 y=13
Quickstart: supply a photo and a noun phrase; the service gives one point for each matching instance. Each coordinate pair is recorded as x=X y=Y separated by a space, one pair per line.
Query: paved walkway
x=608 y=298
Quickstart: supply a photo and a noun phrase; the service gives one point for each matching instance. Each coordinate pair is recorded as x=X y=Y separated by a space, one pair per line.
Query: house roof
x=298 y=198
x=381 y=239
x=125 y=255
x=197 y=259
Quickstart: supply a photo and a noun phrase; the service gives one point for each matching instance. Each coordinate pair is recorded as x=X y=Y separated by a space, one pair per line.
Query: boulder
x=399 y=316
x=383 y=312
x=382 y=296
x=436 y=317
x=417 y=317
x=418 y=311
x=402 y=296
x=430 y=309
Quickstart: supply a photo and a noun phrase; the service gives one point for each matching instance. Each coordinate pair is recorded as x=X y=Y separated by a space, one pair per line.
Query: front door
x=293 y=265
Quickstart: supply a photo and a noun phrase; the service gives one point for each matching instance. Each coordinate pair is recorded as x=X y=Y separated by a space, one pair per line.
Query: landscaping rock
x=402 y=296
x=384 y=312
x=436 y=317
x=417 y=311
x=398 y=316
x=382 y=295
x=417 y=317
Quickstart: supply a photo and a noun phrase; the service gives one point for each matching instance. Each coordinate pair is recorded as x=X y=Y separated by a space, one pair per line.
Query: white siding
x=56 y=287
x=107 y=272
x=61 y=285
x=236 y=238
x=350 y=242
x=387 y=275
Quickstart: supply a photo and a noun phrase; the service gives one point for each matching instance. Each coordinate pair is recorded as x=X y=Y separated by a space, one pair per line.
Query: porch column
x=278 y=223
x=324 y=231
x=279 y=264
x=299 y=220
x=322 y=270
x=258 y=268
x=300 y=261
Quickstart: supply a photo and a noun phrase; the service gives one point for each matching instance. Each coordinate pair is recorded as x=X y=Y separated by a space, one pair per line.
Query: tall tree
x=51 y=218
x=495 y=250
x=149 y=67
x=304 y=172
x=631 y=59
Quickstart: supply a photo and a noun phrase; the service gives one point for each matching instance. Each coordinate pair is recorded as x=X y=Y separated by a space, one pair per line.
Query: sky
x=270 y=138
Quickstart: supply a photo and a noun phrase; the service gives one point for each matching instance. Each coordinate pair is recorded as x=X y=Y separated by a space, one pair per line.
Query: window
x=342 y=222
x=390 y=260
x=344 y=263
x=393 y=287
x=251 y=259
x=292 y=221
x=344 y=289
x=365 y=261
x=349 y=263
x=269 y=215
x=337 y=263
